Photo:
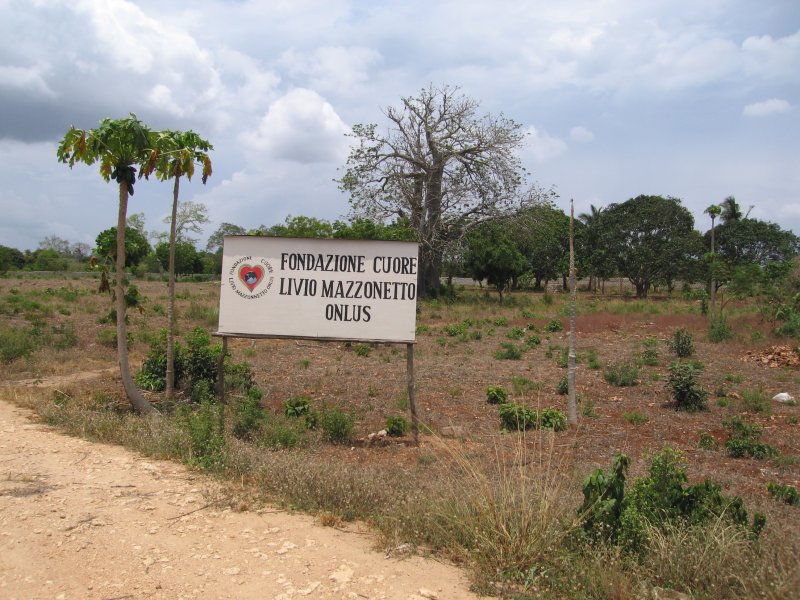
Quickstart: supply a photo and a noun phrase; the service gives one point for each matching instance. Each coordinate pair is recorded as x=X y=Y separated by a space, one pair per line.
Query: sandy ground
x=85 y=520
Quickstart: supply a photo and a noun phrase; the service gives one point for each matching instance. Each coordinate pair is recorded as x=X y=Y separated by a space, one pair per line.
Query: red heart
x=251 y=276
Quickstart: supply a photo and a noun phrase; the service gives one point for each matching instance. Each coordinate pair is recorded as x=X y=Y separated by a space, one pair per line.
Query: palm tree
x=592 y=222
x=730 y=210
x=714 y=211
x=120 y=145
x=175 y=156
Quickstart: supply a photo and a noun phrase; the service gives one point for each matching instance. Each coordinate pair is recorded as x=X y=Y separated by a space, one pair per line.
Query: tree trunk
x=572 y=404
x=713 y=299
x=170 y=375
x=138 y=401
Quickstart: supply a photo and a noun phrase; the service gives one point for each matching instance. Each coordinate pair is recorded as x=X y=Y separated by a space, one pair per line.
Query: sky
x=694 y=99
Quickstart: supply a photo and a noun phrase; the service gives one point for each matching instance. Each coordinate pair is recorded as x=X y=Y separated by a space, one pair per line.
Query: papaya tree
x=120 y=146
x=175 y=156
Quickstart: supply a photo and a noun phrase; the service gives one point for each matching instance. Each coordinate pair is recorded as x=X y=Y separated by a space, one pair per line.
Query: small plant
x=719 y=330
x=562 y=358
x=248 y=414
x=363 y=350
x=508 y=351
x=554 y=326
x=650 y=352
x=682 y=381
x=756 y=401
x=591 y=359
x=397 y=426
x=622 y=375
x=682 y=343
x=496 y=394
x=523 y=386
x=532 y=341
x=304 y=363
x=337 y=425
x=635 y=418
x=500 y=322
x=707 y=441
x=516 y=333
x=204 y=427
x=519 y=417
x=587 y=408
x=744 y=440
x=784 y=493
x=297 y=406
x=563 y=386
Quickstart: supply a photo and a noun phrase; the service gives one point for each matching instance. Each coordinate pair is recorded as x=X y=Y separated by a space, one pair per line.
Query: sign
x=326 y=289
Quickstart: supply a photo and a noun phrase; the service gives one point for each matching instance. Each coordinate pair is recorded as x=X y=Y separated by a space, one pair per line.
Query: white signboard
x=309 y=288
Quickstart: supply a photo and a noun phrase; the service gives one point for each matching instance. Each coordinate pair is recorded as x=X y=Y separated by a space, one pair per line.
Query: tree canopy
x=440 y=164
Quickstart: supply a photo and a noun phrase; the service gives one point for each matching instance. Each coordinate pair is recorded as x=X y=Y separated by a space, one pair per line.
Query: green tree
x=175 y=156
x=650 y=239
x=11 y=259
x=136 y=245
x=441 y=165
x=120 y=146
x=542 y=235
x=48 y=259
x=216 y=239
x=366 y=229
x=596 y=258
x=713 y=211
x=187 y=259
x=301 y=227
x=491 y=254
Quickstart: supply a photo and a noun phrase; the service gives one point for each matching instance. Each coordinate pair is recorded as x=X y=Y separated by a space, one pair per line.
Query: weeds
x=622 y=375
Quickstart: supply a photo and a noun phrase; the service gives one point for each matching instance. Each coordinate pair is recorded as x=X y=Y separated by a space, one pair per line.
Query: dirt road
x=84 y=520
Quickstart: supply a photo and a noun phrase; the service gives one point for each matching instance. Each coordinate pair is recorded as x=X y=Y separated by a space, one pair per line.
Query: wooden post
x=221 y=370
x=412 y=401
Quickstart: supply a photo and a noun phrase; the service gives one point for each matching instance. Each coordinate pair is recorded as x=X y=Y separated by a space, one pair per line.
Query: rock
x=783 y=397
x=453 y=431
x=658 y=593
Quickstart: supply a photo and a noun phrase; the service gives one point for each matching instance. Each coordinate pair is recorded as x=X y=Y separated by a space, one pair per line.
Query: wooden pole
x=412 y=401
x=572 y=405
x=221 y=370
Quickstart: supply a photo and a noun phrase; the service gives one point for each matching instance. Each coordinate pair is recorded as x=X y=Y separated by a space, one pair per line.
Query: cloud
x=541 y=146
x=301 y=126
x=580 y=134
x=330 y=68
x=766 y=108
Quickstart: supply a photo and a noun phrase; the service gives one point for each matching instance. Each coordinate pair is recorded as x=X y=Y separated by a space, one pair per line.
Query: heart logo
x=251 y=276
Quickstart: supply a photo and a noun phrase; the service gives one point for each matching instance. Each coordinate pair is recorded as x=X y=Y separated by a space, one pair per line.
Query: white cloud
x=301 y=127
x=541 y=146
x=331 y=68
x=766 y=108
x=580 y=134
x=25 y=78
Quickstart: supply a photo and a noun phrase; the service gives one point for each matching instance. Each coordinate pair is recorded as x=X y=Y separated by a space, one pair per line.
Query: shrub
x=554 y=326
x=707 y=441
x=523 y=385
x=532 y=341
x=17 y=343
x=784 y=493
x=744 y=440
x=363 y=350
x=496 y=394
x=622 y=375
x=563 y=386
x=397 y=426
x=682 y=343
x=297 y=406
x=278 y=433
x=248 y=414
x=686 y=394
x=635 y=418
x=650 y=352
x=519 y=417
x=756 y=401
x=204 y=426
x=654 y=502
x=591 y=359
x=508 y=351
x=719 y=330
x=337 y=425
x=516 y=333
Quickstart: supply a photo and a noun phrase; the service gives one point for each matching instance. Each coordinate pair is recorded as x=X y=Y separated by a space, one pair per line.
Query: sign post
x=347 y=290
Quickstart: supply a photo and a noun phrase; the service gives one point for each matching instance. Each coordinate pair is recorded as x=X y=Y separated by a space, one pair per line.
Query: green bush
x=622 y=375
x=337 y=425
x=17 y=343
x=682 y=343
x=508 y=351
x=744 y=440
x=554 y=326
x=297 y=406
x=686 y=394
x=784 y=493
x=519 y=417
x=563 y=386
x=650 y=352
x=496 y=394
x=397 y=426
x=719 y=330
x=205 y=429
x=516 y=333
x=248 y=414
x=659 y=500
